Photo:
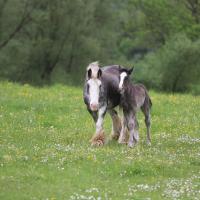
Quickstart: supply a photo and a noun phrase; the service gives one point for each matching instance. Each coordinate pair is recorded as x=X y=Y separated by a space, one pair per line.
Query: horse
x=133 y=98
x=101 y=94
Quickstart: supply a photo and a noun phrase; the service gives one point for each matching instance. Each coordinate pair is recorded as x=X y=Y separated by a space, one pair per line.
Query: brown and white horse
x=133 y=98
x=101 y=94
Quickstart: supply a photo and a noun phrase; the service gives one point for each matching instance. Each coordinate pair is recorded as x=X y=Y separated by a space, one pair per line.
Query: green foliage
x=45 y=150
x=174 y=67
x=194 y=89
x=50 y=41
x=181 y=58
x=54 y=34
x=152 y=22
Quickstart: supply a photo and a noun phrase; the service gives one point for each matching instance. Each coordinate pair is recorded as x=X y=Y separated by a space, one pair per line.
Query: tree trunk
x=49 y=67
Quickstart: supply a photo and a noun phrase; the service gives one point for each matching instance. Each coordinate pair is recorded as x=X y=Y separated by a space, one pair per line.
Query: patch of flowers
x=132 y=189
x=65 y=148
x=89 y=194
x=143 y=188
x=179 y=188
x=188 y=139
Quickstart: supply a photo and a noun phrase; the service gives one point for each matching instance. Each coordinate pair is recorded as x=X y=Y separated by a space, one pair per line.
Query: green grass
x=45 y=151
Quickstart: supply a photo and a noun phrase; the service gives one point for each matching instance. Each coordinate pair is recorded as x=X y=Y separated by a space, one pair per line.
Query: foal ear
x=99 y=74
x=130 y=70
x=89 y=73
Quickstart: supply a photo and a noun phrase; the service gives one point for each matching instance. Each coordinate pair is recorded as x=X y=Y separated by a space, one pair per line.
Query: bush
x=174 y=67
x=195 y=89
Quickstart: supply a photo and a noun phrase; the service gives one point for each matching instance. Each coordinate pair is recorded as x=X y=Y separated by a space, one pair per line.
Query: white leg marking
x=99 y=124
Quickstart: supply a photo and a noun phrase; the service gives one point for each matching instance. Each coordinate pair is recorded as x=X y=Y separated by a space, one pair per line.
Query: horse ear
x=99 y=74
x=130 y=70
x=89 y=73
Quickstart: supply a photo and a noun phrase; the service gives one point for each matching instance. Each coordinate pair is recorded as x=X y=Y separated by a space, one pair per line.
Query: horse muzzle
x=94 y=106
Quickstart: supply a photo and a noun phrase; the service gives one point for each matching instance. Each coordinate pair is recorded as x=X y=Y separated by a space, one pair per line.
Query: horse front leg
x=116 y=124
x=98 y=138
x=94 y=115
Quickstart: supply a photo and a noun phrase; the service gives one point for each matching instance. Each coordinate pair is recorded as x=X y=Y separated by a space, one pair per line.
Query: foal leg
x=136 y=130
x=98 y=138
x=146 y=111
x=123 y=133
x=133 y=129
x=148 y=125
x=116 y=124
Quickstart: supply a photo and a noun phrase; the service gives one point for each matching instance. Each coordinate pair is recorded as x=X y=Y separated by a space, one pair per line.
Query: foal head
x=124 y=77
x=94 y=83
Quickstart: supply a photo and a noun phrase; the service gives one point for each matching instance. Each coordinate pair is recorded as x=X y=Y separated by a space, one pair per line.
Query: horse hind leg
x=116 y=124
x=146 y=111
x=148 y=125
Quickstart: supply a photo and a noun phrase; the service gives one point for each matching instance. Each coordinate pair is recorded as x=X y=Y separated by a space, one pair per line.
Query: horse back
x=135 y=96
x=143 y=94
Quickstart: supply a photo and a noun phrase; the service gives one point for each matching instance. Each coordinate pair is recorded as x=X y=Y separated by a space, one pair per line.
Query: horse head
x=93 y=85
x=124 y=75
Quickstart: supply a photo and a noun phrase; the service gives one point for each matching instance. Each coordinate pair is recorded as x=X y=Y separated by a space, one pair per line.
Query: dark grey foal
x=133 y=98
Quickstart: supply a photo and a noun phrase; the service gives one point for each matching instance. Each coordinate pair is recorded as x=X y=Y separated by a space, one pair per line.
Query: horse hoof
x=114 y=136
x=97 y=143
x=122 y=141
x=98 y=139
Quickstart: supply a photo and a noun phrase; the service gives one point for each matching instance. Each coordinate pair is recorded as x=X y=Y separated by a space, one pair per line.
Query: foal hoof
x=148 y=143
x=131 y=145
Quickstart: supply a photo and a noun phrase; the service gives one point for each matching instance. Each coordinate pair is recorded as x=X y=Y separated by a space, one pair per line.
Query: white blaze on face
x=94 y=89
x=123 y=75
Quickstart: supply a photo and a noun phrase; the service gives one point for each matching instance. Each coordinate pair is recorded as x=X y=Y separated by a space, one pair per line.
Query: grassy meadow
x=45 y=151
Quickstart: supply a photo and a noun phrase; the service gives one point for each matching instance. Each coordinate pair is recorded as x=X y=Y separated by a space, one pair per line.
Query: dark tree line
x=54 y=40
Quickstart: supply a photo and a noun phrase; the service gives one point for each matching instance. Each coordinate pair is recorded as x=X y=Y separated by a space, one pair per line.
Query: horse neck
x=128 y=87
